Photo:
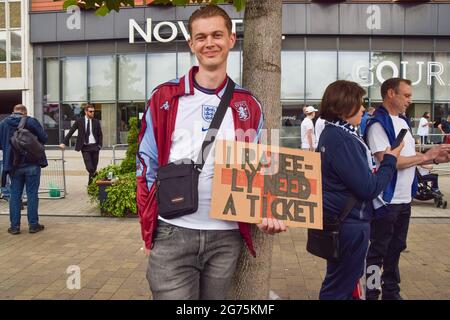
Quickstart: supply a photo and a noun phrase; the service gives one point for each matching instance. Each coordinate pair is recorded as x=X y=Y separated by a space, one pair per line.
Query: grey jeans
x=187 y=264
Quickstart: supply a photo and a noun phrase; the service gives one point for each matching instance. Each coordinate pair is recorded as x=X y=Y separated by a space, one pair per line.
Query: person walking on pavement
x=389 y=226
x=307 y=129
x=89 y=139
x=424 y=128
x=24 y=170
x=194 y=256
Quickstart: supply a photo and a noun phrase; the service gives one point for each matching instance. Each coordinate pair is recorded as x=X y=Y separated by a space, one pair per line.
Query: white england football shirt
x=195 y=113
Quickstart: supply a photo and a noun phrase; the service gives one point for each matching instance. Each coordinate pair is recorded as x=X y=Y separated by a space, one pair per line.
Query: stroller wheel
x=444 y=205
x=438 y=203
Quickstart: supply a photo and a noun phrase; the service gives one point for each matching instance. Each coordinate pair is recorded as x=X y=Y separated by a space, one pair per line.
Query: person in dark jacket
x=89 y=139
x=24 y=172
x=347 y=171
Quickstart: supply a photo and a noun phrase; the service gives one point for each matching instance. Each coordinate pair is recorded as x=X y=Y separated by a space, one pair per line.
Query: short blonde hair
x=20 y=108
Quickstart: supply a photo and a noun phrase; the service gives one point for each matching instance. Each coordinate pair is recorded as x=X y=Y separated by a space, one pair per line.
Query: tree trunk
x=262 y=76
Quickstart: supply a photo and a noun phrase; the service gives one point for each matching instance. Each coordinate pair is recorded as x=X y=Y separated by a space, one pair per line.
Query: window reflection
x=321 y=67
x=102 y=77
x=292 y=74
x=442 y=91
x=354 y=66
x=52 y=80
x=74 y=79
x=388 y=66
x=161 y=67
x=132 y=77
x=416 y=71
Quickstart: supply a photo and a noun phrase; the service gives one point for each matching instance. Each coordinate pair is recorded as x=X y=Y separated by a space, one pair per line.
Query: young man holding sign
x=194 y=256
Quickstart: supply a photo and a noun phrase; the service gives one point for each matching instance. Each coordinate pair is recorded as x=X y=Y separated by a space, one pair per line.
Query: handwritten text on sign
x=253 y=181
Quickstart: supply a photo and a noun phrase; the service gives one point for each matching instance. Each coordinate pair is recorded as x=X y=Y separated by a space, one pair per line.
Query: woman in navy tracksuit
x=347 y=169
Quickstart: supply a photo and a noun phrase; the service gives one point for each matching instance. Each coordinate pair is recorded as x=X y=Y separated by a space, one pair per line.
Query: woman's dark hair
x=425 y=114
x=341 y=99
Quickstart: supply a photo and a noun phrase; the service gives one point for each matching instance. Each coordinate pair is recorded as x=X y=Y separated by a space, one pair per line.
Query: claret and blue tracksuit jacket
x=158 y=124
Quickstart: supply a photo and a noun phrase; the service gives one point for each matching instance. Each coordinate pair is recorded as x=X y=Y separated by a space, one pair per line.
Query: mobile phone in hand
x=399 y=138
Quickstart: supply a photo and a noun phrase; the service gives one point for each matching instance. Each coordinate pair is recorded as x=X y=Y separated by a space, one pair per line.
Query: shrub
x=121 y=198
x=129 y=163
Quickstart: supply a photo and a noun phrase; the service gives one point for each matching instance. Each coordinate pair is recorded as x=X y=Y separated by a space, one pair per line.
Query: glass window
x=292 y=75
x=69 y=113
x=16 y=45
x=51 y=122
x=320 y=72
x=107 y=114
x=354 y=66
x=102 y=78
x=15 y=70
x=416 y=71
x=132 y=77
x=14 y=15
x=2 y=70
x=125 y=112
x=185 y=61
x=161 y=67
x=2 y=16
x=442 y=90
x=234 y=66
x=2 y=45
x=52 y=79
x=74 y=79
x=384 y=65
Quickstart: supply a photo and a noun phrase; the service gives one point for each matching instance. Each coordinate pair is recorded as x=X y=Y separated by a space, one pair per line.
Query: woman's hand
x=396 y=151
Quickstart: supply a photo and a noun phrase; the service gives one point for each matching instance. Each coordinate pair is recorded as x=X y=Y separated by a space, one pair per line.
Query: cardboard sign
x=253 y=181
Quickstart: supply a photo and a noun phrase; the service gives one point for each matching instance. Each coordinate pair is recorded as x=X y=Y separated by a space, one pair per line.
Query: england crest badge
x=208 y=112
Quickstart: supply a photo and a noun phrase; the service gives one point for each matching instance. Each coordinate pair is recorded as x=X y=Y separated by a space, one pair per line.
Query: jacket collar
x=187 y=84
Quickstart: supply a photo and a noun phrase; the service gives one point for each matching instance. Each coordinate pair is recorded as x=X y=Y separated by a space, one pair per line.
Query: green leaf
x=180 y=2
x=69 y=3
x=102 y=11
x=239 y=4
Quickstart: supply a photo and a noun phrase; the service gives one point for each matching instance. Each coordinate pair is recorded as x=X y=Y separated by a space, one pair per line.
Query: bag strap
x=351 y=201
x=215 y=125
x=22 y=122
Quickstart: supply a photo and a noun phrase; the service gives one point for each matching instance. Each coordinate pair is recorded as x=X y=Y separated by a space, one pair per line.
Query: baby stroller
x=427 y=191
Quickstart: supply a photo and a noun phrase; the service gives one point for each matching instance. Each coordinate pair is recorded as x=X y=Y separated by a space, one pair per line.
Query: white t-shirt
x=91 y=135
x=320 y=125
x=194 y=115
x=423 y=129
x=306 y=125
x=378 y=141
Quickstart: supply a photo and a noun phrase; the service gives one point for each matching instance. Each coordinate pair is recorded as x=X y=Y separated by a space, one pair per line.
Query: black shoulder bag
x=177 y=182
x=325 y=243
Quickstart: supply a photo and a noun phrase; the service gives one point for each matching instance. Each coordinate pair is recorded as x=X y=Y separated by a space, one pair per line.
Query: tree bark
x=262 y=76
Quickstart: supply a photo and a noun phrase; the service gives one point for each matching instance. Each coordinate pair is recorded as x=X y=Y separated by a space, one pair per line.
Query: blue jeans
x=187 y=264
x=29 y=176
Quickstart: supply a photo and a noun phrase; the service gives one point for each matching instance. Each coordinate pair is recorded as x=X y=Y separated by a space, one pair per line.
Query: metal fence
x=53 y=177
x=117 y=147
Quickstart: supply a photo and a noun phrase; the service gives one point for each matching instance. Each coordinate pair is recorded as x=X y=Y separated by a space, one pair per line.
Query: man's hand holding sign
x=272 y=186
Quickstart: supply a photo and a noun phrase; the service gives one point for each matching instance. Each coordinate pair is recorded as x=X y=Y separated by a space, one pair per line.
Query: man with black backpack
x=22 y=140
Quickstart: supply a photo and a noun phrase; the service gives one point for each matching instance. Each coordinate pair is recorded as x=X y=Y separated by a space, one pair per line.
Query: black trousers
x=90 y=156
x=387 y=240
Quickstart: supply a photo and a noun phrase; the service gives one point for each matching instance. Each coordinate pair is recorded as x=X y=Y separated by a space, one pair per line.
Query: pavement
x=112 y=264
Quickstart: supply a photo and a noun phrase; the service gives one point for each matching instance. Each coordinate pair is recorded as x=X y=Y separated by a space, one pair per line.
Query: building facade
x=114 y=62
x=16 y=82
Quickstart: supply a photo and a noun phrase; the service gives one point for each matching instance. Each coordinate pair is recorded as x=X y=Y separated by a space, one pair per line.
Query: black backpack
x=24 y=142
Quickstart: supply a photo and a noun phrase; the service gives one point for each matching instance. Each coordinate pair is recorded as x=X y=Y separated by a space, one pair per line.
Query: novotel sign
x=154 y=33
